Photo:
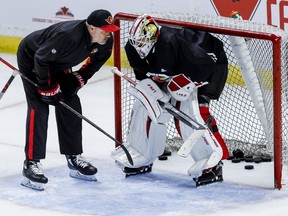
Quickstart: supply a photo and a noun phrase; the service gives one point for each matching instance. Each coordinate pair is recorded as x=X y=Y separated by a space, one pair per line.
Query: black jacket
x=62 y=46
x=198 y=55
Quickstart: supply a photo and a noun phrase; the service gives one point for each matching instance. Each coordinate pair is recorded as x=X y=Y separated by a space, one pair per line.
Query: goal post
x=252 y=112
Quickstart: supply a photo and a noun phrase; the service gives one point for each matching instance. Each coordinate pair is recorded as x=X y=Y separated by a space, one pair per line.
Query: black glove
x=78 y=81
x=71 y=83
x=51 y=94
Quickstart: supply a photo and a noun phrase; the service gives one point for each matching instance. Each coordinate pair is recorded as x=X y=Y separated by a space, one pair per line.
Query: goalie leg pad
x=121 y=159
x=149 y=94
x=206 y=152
x=145 y=140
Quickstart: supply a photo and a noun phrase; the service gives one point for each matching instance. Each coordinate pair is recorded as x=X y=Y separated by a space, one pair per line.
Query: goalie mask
x=143 y=34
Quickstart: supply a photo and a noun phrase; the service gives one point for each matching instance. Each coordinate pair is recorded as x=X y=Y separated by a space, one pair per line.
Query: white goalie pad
x=148 y=93
x=206 y=154
x=138 y=159
x=145 y=140
x=204 y=149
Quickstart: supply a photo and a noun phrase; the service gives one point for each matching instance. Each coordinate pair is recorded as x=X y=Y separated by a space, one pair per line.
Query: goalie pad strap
x=211 y=123
x=213 y=128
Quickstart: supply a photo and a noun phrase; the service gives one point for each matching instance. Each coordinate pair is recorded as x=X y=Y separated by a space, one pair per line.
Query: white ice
x=167 y=191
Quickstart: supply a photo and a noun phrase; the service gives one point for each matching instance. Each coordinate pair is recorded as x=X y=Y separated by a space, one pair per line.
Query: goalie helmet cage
x=252 y=112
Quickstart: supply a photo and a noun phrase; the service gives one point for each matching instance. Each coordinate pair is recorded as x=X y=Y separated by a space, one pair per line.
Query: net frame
x=226 y=26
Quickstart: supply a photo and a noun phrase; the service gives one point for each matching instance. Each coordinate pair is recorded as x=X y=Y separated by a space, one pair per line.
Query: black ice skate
x=210 y=176
x=33 y=175
x=80 y=168
x=137 y=171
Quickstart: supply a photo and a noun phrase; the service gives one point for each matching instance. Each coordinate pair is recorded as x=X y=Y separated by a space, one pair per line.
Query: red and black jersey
x=197 y=54
x=64 y=45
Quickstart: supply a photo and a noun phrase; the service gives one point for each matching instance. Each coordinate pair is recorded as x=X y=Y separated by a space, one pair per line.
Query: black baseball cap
x=102 y=19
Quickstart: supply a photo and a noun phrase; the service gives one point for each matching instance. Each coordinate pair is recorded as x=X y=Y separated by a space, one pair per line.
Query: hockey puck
x=238 y=153
x=249 y=167
x=249 y=160
x=236 y=160
x=166 y=153
x=266 y=158
x=162 y=157
x=257 y=160
x=249 y=156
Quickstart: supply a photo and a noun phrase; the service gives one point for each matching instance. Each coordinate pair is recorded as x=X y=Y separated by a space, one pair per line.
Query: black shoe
x=77 y=162
x=33 y=171
x=210 y=176
x=136 y=171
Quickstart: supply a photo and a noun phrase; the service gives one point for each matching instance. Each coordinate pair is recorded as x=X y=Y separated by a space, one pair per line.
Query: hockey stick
x=198 y=131
x=76 y=113
x=14 y=74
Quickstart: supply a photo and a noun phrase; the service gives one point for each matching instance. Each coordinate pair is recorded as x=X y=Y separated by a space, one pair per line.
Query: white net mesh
x=242 y=122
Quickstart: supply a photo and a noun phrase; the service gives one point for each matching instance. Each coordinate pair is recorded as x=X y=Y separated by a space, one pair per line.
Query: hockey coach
x=47 y=57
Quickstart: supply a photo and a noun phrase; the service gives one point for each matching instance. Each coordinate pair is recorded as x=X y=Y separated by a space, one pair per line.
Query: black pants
x=69 y=126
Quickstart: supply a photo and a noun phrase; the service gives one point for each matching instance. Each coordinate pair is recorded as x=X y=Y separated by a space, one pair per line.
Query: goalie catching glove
x=180 y=87
x=149 y=94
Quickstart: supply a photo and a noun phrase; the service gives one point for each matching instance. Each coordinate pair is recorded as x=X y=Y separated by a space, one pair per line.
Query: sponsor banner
x=20 y=17
x=247 y=8
x=270 y=12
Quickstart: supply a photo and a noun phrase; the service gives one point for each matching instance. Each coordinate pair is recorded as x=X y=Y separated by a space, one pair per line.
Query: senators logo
x=109 y=20
x=94 y=51
x=246 y=8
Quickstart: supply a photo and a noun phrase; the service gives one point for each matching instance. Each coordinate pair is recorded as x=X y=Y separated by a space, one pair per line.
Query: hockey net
x=252 y=112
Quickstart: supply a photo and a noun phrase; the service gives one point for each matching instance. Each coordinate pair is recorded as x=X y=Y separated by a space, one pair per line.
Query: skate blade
x=78 y=175
x=127 y=175
x=32 y=185
x=218 y=179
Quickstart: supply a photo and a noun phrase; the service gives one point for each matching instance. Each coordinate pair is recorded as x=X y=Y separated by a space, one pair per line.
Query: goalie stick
x=198 y=131
x=73 y=111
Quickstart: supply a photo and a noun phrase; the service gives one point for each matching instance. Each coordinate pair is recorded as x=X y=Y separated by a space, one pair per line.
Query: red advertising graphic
x=246 y=8
x=64 y=12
